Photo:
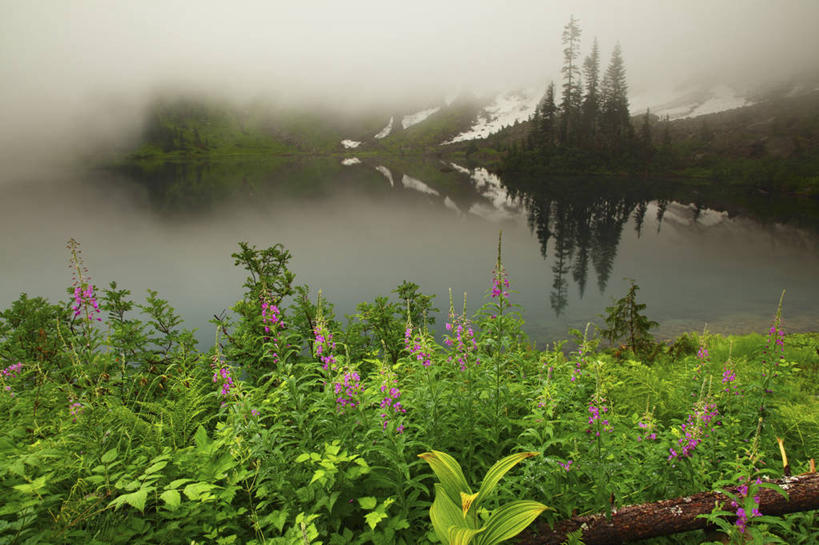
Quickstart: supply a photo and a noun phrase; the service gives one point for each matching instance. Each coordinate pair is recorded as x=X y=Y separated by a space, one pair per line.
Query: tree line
x=589 y=123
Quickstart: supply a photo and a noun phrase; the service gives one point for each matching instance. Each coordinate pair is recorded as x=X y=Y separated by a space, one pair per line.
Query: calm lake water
x=356 y=230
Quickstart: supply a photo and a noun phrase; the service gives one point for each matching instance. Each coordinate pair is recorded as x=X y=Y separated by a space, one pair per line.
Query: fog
x=76 y=74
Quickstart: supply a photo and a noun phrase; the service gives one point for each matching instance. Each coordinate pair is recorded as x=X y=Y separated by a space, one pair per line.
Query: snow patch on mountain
x=350 y=144
x=351 y=161
x=449 y=203
x=462 y=170
x=413 y=119
x=417 y=185
x=701 y=102
x=387 y=174
x=385 y=132
x=507 y=109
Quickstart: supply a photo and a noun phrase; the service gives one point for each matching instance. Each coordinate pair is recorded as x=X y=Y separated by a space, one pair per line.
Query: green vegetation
x=295 y=429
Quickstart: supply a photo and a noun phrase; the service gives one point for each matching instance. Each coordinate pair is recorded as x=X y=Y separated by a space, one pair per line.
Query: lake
x=358 y=226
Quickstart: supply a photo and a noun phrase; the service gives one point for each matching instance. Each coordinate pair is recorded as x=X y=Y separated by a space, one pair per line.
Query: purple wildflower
x=742 y=514
x=10 y=372
x=701 y=421
x=348 y=390
x=390 y=404
x=597 y=416
x=273 y=324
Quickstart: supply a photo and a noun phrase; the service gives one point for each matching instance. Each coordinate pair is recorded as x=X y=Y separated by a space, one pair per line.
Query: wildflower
x=463 y=341
x=698 y=426
x=596 y=423
x=85 y=302
x=273 y=324
x=742 y=514
x=223 y=377
x=389 y=404
x=566 y=466
x=323 y=343
x=348 y=390
x=10 y=372
x=418 y=346
x=75 y=408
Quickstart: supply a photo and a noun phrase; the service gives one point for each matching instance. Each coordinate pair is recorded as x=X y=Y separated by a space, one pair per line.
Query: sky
x=86 y=68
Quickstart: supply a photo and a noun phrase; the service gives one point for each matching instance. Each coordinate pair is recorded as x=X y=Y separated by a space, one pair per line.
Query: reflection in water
x=578 y=222
x=358 y=230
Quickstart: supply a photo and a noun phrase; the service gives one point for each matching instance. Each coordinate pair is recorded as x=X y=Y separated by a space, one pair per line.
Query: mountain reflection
x=579 y=222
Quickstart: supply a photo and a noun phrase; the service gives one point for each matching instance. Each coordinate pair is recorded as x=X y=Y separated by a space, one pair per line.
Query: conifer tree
x=615 y=115
x=572 y=85
x=547 y=117
x=591 y=101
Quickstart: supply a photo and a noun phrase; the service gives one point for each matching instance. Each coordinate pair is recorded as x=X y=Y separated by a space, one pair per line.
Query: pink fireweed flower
x=273 y=324
x=698 y=426
x=348 y=390
x=419 y=346
x=742 y=515
x=597 y=416
x=85 y=302
x=462 y=342
x=9 y=373
x=567 y=465
x=75 y=408
x=223 y=378
x=390 y=404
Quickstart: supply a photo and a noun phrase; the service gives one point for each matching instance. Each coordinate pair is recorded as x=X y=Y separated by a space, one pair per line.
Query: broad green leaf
x=496 y=473
x=463 y=536
x=449 y=472
x=171 y=498
x=194 y=491
x=466 y=501
x=319 y=474
x=445 y=514
x=156 y=467
x=301 y=458
x=136 y=499
x=177 y=482
x=373 y=518
x=510 y=520
x=367 y=503
x=33 y=486
x=201 y=437
x=109 y=456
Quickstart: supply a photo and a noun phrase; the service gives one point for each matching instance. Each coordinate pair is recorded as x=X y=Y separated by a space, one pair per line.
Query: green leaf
x=496 y=473
x=367 y=503
x=463 y=536
x=177 y=482
x=319 y=474
x=445 y=514
x=201 y=437
x=449 y=472
x=33 y=486
x=134 y=499
x=194 y=491
x=109 y=456
x=171 y=498
x=373 y=518
x=301 y=458
x=510 y=520
x=156 y=467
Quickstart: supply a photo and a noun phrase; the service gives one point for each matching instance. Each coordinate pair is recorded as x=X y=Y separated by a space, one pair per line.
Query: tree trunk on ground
x=666 y=517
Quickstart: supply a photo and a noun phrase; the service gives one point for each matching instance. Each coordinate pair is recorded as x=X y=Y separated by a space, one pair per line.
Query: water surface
x=357 y=230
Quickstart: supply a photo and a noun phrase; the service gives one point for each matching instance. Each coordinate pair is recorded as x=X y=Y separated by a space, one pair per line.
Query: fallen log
x=666 y=517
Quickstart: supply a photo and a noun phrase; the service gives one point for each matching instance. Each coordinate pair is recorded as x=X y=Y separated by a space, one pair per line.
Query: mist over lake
x=357 y=231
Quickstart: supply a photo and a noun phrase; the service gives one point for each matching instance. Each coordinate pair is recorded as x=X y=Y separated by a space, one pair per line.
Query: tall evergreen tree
x=572 y=85
x=591 y=101
x=548 y=114
x=615 y=115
